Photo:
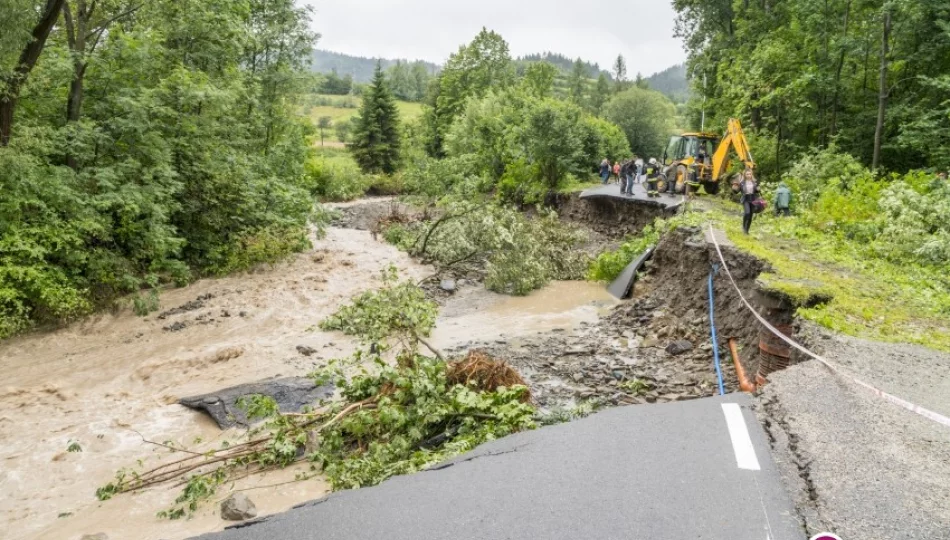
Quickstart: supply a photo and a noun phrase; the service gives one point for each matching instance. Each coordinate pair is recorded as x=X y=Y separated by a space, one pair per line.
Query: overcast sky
x=596 y=30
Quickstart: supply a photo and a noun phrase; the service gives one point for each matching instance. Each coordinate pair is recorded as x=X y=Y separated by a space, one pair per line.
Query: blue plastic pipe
x=712 y=324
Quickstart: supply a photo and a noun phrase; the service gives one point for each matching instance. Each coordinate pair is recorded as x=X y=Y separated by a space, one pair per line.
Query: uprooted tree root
x=485 y=374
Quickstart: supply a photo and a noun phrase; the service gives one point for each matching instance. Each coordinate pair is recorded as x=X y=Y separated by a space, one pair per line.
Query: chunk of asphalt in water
x=622 y=287
x=292 y=394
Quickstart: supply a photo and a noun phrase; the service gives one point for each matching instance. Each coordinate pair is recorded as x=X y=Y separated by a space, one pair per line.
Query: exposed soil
x=614 y=218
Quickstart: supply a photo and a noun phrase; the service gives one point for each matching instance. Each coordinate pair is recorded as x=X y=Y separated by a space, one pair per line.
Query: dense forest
x=342 y=73
x=359 y=68
x=563 y=63
x=145 y=142
x=871 y=78
x=671 y=82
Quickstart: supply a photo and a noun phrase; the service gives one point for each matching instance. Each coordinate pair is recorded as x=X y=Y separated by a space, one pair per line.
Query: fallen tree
x=400 y=413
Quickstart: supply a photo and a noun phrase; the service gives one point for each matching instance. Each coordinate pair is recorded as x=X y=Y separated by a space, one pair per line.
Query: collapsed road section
x=698 y=469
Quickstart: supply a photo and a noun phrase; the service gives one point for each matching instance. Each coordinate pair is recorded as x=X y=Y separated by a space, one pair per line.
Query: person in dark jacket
x=749 y=188
x=783 y=200
x=604 y=171
x=624 y=176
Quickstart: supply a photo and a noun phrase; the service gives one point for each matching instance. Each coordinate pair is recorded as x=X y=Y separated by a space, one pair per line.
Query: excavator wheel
x=711 y=187
x=682 y=174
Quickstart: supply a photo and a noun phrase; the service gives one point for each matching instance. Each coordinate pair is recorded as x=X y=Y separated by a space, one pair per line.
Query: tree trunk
x=882 y=93
x=28 y=58
x=74 y=101
x=837 y=96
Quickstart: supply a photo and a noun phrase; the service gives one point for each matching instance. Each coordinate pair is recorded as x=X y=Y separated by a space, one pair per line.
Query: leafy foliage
x=610 y=264
x=185 y=154
x=519 y=253
x=335 y=177
x=398 y=310
x=476 y=68
x=420 y=420
x=769 y=62
x=645 y=117
x=532 y=145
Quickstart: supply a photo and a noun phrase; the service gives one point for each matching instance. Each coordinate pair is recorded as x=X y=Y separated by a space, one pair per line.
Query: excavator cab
x=680 y=161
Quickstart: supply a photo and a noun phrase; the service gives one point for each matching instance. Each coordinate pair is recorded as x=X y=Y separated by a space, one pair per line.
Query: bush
x=398 y=310
x=435 y=178
x=813 y=173
x=336 y=177
x=915 y=223
x=267 y=245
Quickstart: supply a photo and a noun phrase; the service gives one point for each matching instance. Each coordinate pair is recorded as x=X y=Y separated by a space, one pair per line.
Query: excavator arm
x=735 y=138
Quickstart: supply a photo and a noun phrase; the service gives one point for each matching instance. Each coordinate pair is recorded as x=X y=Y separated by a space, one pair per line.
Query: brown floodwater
x=112 y=380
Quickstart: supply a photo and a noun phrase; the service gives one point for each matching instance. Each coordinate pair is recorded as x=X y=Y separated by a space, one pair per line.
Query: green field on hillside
x=342 y=108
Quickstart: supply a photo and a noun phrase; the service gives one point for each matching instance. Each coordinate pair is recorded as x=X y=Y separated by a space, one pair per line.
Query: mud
x=108 y=379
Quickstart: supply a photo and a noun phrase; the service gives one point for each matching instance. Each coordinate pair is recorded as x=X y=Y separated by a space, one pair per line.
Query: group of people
x=635 y=170
x=632 y=171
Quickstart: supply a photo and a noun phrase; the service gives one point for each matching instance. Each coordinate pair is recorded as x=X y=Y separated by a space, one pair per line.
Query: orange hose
x=744 y=383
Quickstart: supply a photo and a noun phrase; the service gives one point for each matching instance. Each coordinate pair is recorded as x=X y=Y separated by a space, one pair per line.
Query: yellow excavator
x=681 y=166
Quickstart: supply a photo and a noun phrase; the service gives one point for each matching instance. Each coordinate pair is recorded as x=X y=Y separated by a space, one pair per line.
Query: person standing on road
x=749 y=188
x=632 y=172
x=783 y=200
x=641 y=171
x=617 y=170
x=653 y=172
x=624 y=176
x=604 y=171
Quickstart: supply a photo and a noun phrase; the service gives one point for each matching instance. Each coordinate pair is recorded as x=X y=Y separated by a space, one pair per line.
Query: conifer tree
x=601 y=93
x=376 y=137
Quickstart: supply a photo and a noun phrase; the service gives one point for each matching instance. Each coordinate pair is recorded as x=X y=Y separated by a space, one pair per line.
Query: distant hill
x=672 y=83
x=565 y=64
x=360 y=68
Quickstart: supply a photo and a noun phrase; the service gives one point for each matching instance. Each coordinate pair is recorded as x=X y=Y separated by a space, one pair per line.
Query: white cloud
x=596 y=30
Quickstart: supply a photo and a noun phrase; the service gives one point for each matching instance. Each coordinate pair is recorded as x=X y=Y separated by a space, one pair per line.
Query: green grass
x=869 y=297
x=338 y=113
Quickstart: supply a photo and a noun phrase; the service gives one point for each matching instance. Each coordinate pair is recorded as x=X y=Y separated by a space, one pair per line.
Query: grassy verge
x=870 y=297
x=836 y=283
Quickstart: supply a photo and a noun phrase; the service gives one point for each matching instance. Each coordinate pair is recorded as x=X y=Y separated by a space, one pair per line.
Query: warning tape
x=926 y=413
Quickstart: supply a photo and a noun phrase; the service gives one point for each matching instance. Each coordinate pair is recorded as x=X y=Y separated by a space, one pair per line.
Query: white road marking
x=739 y=433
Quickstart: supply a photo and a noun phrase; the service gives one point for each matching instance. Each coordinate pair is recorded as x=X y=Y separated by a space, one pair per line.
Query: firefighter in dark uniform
x=653 y=172
x=695 y=175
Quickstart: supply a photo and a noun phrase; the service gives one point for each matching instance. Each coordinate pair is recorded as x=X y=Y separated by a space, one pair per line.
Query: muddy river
x=113 y=380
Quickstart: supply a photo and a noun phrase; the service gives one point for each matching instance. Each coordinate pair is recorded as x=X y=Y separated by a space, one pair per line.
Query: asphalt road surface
x=689 y=470
x=612 y=191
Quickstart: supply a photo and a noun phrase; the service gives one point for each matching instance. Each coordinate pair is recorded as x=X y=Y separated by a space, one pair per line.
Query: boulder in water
x=238 y=507
x=448 y=285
